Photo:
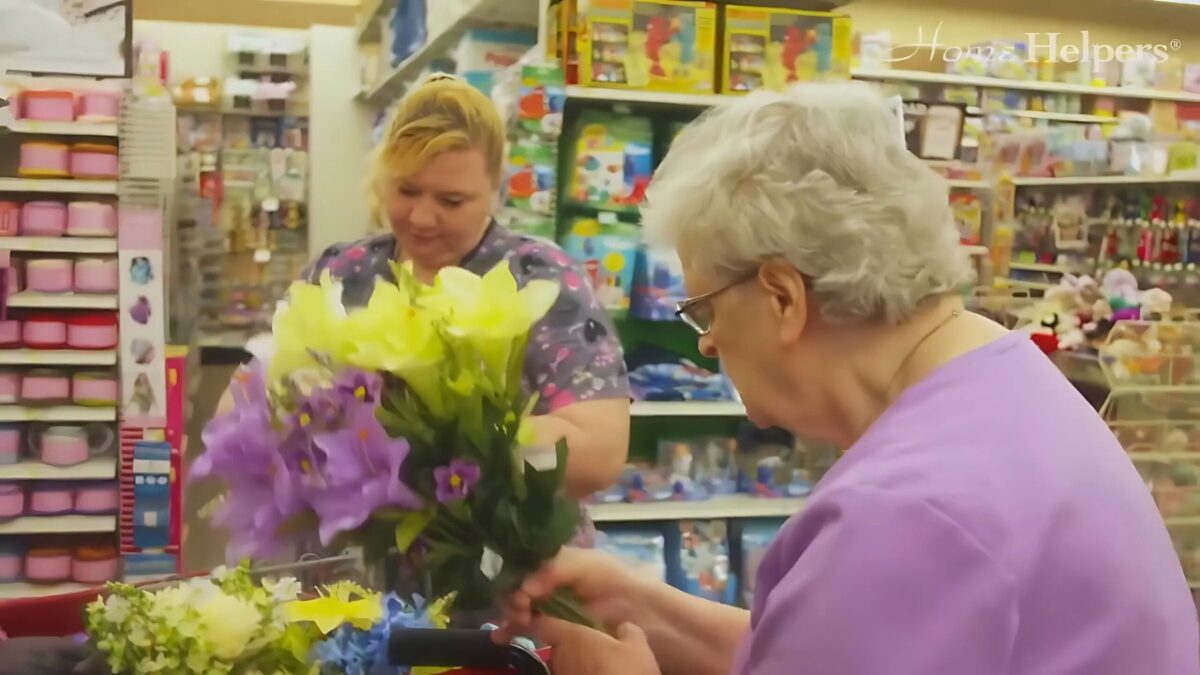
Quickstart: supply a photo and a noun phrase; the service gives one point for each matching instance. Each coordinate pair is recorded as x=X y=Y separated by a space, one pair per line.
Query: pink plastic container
x=94 y=571
x=51 y=498
x=91 y=219
x=10 y=334
x=10 y=219
x=92 y=330
x=60 y=445
x=48 y=105
x=99 y=106
x=50 y=275
x=12 y=558
x=14 y=279
x=10 y=443
x=43 y=219
x=10 y=386
x=93 y=160
x=45 y=386
x=47 y=565
x=12 y=500
x=44 y=160
x=95 y=389
x=96 y=275
x=44 y=331
x=97 y=498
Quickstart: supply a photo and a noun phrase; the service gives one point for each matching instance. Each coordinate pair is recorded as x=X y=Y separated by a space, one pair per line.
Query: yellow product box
x=658 y=45
x=769 y=48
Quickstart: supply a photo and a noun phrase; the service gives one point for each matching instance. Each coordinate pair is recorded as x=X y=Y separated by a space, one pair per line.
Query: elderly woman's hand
x=606 y=587
x=579 y=650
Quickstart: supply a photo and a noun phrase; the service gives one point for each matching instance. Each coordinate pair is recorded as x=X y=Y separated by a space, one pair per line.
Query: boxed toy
x=661 y=45
x=643 y=549
x=612 y=160
x=657 y=286
x=607 y=250
x=770 y=48
x=698 y=561
x=757 y=538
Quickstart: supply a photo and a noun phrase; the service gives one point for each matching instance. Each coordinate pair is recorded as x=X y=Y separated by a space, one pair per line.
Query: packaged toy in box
x=662 y=45
x=607 y=250
x=702 y=567
x=612 y=160
x=770 y=48
x=657 y=286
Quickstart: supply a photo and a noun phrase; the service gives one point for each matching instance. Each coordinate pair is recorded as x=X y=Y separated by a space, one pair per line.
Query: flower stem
x=564 y=605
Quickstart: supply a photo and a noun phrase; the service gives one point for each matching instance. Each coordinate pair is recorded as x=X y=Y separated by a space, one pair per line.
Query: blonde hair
x=441 y=113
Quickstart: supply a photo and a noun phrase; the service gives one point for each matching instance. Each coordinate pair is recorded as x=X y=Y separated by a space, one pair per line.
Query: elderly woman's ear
x=787 y=294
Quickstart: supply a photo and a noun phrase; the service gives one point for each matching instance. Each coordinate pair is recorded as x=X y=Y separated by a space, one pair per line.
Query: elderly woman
x=983 y=520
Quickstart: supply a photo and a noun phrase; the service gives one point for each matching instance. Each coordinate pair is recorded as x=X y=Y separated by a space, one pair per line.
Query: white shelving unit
x=59 y=186
x=59 y=244
x=951 y=79
x=1058 y=117
x=687 y=409
x=11 y=591
x=1024 y=181
x=371 y=13
x=718 y=508
x=71 y=524
x=101 y=468
x=58 y=357
x=35 y=300
x=969 y=184
x=58 y=413
x=646 y=97
x=39 y=128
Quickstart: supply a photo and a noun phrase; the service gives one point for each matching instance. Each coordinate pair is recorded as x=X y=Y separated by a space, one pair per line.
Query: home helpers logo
x=1038 y=47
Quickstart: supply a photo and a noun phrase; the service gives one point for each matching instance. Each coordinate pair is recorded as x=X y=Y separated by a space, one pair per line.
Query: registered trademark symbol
x=1176 y=44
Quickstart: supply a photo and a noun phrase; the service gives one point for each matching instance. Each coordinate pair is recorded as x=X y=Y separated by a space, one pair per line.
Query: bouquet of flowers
x=227 y=623
x=402 y=425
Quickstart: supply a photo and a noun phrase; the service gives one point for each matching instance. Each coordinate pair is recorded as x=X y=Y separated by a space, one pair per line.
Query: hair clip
x=439 y=77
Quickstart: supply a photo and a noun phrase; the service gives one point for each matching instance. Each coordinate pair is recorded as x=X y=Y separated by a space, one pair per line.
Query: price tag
x=270 y=205
x=262 y=255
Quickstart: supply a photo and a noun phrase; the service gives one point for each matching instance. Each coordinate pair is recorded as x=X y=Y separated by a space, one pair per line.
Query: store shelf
x=1106 y=180
x=1030 y=285
x=101 y=468
x=976 y=250
x=58 y=524
x=35 y=127
x=645 y=97
x=733 y=506
x=969 y=184
x=1057 y=116
x=35 y=300
x=1183 y=521
x=1165 y=456
x=1040 y=267
x=687 y=409
x=57 y=413
x=473 y=12
x=372 y=12
x=58 y=357
x=208 y=110
x=952 y=79
x=59 y=244
x=59 y=185
x=13 y=591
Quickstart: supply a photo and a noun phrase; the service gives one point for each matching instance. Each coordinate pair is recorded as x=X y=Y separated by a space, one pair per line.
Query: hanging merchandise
x=769 y=48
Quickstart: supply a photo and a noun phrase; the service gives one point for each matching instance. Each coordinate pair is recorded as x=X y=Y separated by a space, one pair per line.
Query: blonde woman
x=435 y=179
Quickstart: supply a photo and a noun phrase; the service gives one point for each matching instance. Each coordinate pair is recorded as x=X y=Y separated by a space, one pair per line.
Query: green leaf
x=411 y=527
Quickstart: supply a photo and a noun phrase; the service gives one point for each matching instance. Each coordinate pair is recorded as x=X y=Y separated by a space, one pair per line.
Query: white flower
x=491 y=563
x=283 y=590
x=219 y=572
x=229 y=623
x=116 y=609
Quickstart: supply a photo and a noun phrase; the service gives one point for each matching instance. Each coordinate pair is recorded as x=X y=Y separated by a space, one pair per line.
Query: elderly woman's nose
x=707 y=348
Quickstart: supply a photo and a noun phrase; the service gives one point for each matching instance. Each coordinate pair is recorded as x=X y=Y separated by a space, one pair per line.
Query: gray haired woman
x=983 y=519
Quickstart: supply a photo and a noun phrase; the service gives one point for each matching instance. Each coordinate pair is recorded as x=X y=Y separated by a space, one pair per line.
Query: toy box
x=769 y=48
x=698 y=560
x=612 y=160
x=643 y=550
x=657 y=286
x=661 y=45
x=607 y=250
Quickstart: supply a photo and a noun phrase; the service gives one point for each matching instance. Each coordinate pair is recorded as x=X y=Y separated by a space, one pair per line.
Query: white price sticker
x=270 y=205
x=262 y=255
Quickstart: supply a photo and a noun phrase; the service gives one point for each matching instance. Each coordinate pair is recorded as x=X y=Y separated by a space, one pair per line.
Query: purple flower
x=358 y=385
x=456 y=480
x=360 y=465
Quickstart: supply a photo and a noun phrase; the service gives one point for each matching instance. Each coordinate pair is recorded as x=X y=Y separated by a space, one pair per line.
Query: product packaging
x=699 y=564
x=611 y=160
x=607 y=250
x=757 y=537
x=660 y=45
x=643 y=549
x=483 y=52
x=770 y=48
x=657 y=286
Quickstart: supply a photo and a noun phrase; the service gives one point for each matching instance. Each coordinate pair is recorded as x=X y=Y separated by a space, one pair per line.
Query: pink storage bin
x=10 y=443
x=14 y=280
x=45 y=386
x=95 y=389
x=43 y=219
x=10 y=385
x=12 y=555
x=94 y=564
x=44 y=331
x=10 y=219
x=99 y=106
x=49 y=105
x=50 y=275
x=93 y=160
x=51 y=498
x=10 y=334
x=98 y=498
x=92 y=330
x=12 y=500
x=59 y=445
x=47 y=565
x=44 y=160
x=96 y=275
x=91 y=219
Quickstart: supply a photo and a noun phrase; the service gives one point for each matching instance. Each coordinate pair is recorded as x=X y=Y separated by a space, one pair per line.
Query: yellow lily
x=395 y=335
x=311 y=320
x=490 y=311
x=341 y=603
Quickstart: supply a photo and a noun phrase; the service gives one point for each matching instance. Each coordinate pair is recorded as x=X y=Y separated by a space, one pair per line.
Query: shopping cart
x=472 y=650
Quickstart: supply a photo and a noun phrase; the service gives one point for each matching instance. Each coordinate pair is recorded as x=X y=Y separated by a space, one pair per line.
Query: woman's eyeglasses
x=696 y=311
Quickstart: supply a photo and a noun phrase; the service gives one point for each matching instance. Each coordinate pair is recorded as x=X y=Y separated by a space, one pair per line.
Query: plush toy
x=1121 y=288
x=1156 y=302
x=638 y=63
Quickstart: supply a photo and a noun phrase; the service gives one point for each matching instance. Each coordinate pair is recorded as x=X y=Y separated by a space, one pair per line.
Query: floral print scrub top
x=573 y=354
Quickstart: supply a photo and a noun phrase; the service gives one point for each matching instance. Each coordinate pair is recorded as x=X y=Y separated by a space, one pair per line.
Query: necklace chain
x=903 y=364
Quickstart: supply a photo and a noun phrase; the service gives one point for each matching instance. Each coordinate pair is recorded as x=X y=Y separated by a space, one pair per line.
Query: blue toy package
x=657 y=286
x=698 y=469
x=409 y=27
x=643 y=549
x=680 y=381
x=698 y=561
x=757 y=537
x=770 y=464
x=608 y=251
x=612 y=160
